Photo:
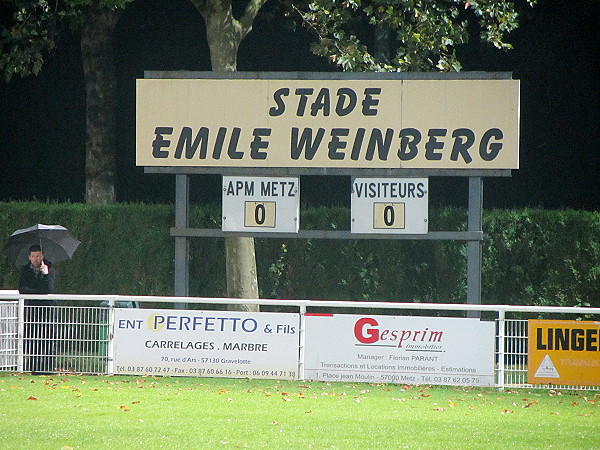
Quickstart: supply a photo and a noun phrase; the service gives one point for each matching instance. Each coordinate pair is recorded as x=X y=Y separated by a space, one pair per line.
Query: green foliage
x=538 y=257
x=31 y=35
x=533 y=257
x=425 y=33
x=125 y=248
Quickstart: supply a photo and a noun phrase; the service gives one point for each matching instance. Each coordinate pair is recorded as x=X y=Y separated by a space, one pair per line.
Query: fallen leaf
x=451 y=404
x=438 y=409
x=32 y=398
x=124 y=408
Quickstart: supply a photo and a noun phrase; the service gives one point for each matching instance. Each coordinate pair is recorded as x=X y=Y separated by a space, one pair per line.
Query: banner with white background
x=393 y=349
x=206 y=343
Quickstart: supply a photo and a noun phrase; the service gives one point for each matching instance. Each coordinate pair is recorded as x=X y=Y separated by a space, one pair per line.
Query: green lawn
x=95 y=412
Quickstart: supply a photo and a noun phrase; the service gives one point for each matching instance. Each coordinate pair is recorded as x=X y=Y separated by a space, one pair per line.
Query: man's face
x=36 y=259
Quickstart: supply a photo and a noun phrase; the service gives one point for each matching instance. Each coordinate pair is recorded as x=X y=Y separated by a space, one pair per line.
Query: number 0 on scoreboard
x=260 y=214
x=388 y=215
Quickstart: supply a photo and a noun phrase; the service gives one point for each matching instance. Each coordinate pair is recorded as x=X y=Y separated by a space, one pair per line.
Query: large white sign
x=391 y=349
x=345 y=123
x=267 y=204
x=206 y=343
x=390 y=205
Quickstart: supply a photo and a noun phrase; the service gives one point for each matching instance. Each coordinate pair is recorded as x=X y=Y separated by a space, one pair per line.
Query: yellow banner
x=564 y=352
x=375 y=124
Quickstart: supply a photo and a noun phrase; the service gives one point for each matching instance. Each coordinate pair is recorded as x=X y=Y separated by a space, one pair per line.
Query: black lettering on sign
x=321 y=104
x=234 y=188
x=463 y=140
x=280 y=109
x=575 y=339
x=433 y=144
x=233 y=143
x=305 y=143
x=487 y=151
x=258 y=143
x=159 y=142
x=278 y=188
x=409 y=139
x=377 y=141
x=346 y=101
x=336 y=144
x=185 y=139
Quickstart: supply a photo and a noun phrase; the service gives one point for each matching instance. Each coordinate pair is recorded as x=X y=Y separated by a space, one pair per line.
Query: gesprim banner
x=376 y=124
x=400 y=349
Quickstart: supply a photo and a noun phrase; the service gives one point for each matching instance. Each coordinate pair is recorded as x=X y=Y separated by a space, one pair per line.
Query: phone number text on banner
x=206 y=343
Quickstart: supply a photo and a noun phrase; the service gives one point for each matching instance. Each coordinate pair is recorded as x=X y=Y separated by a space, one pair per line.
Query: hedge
x=530 y=256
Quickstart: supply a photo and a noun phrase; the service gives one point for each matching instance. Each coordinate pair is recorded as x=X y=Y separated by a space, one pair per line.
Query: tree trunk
x=224 y=34
x=100 y=84
x=382 y=51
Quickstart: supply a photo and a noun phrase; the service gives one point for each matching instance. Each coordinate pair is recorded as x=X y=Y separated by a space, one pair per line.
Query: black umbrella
x=57 y=243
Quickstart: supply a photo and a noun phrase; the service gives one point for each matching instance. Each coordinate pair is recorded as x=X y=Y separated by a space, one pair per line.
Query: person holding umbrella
x=37 y=276
x=29 y=248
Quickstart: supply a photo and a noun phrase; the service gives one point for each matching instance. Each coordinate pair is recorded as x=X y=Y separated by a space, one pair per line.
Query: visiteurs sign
x=377 y=124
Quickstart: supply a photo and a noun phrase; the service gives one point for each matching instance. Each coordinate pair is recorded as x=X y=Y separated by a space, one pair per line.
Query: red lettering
x=369 y=335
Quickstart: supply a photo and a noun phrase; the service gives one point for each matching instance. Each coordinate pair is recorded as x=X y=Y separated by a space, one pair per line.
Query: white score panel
x=261 y=204
x=390 y=205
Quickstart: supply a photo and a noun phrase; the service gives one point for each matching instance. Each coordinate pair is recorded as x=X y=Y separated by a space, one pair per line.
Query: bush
x=534 y=257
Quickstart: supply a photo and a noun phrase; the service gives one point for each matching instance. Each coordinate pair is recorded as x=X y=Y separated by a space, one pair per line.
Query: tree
x=225 y=33
x=424 y=33
x=31 y=36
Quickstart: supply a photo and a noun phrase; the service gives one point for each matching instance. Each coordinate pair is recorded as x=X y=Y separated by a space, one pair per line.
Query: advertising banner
x=206 y=343
x=374 y=124
x=392 y=349
x=564 y=352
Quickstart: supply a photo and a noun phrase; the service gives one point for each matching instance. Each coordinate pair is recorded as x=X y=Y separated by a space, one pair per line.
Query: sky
x=556 y=56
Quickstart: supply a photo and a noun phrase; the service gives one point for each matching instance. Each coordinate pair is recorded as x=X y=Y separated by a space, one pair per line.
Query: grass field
x=96 y=412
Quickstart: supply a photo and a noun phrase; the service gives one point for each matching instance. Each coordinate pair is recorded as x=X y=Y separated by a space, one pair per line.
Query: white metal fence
x=78 y=339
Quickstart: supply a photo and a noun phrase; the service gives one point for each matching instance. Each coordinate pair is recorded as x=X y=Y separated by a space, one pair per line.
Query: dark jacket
x=32 y=282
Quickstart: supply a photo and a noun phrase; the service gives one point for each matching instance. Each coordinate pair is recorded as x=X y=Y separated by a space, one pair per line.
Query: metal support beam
x=474 y=248
x=182 y=257
x=331 y=234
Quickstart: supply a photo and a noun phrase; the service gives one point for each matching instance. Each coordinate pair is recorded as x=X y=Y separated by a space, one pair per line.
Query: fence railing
x=78 y=339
